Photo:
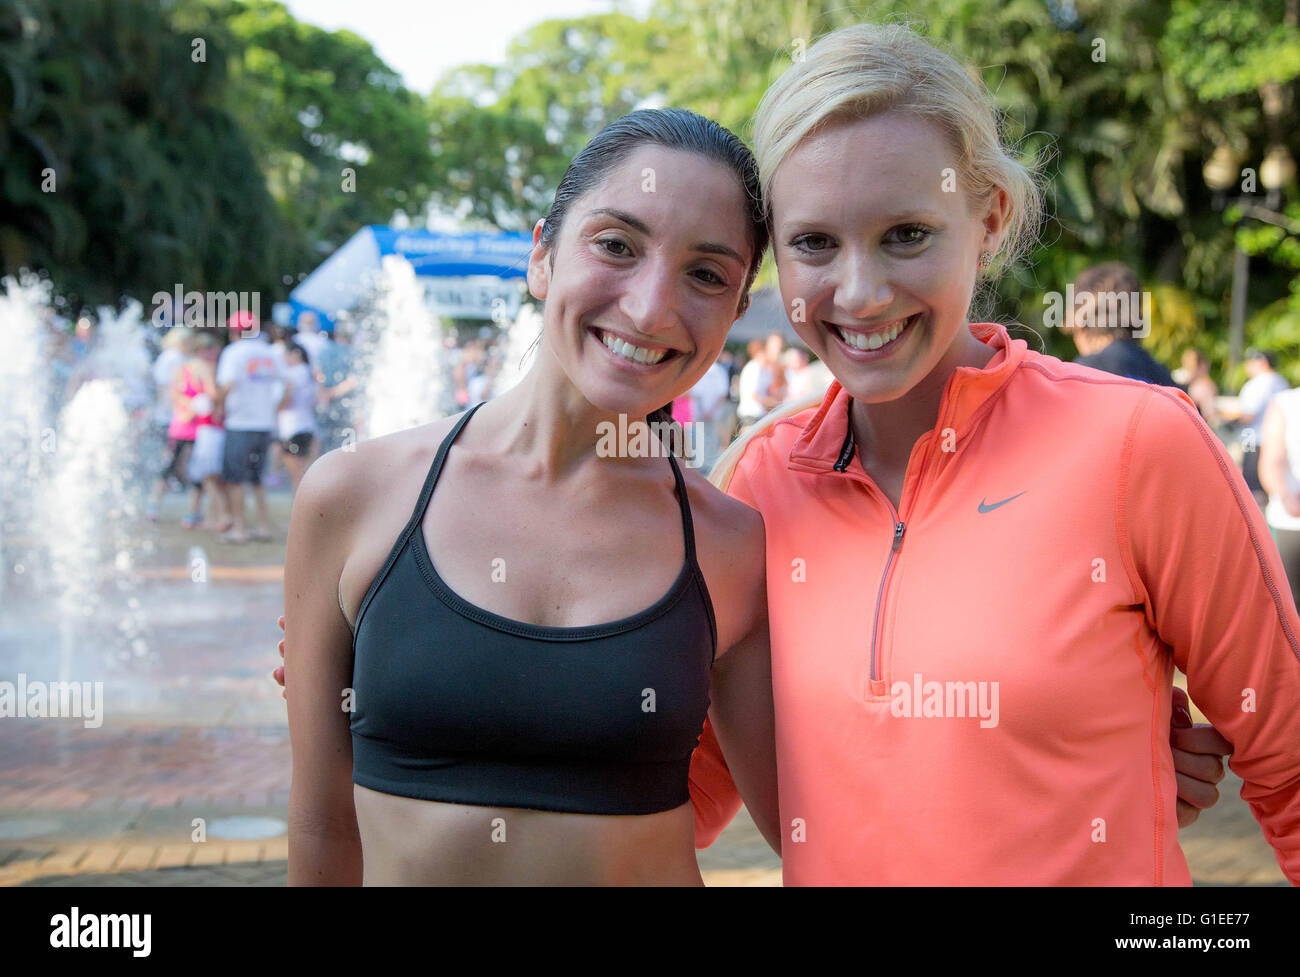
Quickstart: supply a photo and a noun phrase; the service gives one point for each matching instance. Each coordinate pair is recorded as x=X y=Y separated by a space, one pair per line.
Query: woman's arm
x=324 y=842
x=741 y=715
x=1205 y=567
x=287 y=397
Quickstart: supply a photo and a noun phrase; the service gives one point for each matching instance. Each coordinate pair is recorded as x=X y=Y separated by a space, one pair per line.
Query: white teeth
x=636 y=354
x=877 y=339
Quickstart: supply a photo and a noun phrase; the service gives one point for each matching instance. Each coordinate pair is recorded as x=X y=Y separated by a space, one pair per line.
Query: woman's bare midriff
x=408 y=841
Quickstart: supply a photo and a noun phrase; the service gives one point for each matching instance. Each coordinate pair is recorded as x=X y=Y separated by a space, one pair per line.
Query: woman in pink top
x=205 y=460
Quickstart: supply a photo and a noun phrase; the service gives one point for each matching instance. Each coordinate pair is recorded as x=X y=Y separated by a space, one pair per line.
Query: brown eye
x=606 y=241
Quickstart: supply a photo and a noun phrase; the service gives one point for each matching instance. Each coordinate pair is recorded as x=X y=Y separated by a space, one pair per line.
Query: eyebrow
x=708 y=247
x=918 y=215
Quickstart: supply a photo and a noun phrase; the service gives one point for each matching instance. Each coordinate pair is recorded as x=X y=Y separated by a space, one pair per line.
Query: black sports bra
x=455 y=703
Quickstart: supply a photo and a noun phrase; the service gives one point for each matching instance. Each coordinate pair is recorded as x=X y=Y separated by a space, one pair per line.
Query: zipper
x=899 y=528
x=876 y=685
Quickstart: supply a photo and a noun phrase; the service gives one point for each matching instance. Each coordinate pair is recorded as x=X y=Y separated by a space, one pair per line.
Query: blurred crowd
x=252 y=412
x=254 y=407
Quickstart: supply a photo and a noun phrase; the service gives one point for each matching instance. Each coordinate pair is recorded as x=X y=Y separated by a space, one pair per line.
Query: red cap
x=242 y=320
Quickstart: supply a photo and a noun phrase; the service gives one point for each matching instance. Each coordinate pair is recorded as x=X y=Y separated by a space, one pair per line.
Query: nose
x=649 y=302
x=863 y=287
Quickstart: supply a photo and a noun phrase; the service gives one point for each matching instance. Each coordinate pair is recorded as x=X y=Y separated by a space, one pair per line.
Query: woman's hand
x=1198 y=761
x=278 y=672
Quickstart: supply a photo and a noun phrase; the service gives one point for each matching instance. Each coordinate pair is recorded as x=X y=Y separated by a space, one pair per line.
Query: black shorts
x=179 y=462
x=299 y=444
x=244 y=455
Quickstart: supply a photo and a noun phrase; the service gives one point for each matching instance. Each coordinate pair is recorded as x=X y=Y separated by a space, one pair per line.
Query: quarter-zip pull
x=877 y=685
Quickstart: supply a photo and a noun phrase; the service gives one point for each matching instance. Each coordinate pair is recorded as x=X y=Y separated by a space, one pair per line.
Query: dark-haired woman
x=486 y=688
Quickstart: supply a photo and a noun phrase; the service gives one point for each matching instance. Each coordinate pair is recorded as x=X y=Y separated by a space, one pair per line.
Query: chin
x=875 y=389
x=614 y=401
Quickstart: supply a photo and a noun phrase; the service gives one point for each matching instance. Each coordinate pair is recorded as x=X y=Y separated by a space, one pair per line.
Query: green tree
x=121 y=172
x=341 y=141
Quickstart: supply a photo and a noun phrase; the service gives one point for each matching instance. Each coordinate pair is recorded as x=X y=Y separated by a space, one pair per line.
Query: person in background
x=209 y=435
x=187 y=388
x=803 y=377
x=1194 y=377
x=1263 y=384
x=249 y=386
x=164 y=371
x=1105 y=342
x=311 y=336
x=277 y=473
x=709 y=402
x=336 y=391
x=760 y=384
x=297 y=415
x=774 y=349
x=1279 y=476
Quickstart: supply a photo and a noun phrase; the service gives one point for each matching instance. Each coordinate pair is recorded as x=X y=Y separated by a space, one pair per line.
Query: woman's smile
x=639 y=357
x=867 y=344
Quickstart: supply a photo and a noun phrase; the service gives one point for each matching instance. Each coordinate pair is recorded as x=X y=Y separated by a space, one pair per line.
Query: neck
x=885 y=432
x=545 y=423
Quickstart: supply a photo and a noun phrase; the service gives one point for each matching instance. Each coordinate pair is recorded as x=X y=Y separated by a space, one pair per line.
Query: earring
x=986 y=259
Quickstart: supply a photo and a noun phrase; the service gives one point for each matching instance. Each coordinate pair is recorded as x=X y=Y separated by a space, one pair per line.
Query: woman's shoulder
x=719 y=510
x=344 y=486
x=729 y=533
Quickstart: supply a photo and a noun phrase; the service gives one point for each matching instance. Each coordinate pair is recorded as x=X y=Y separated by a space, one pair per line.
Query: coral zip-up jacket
x=974 y=688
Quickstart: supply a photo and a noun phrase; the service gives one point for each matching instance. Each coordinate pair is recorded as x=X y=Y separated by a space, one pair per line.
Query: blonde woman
x=983 y=564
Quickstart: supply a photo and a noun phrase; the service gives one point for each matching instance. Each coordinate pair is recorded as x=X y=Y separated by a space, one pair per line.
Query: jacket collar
x=825 y=443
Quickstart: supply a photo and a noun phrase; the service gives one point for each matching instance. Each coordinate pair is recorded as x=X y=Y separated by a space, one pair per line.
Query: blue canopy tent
x=337 y=284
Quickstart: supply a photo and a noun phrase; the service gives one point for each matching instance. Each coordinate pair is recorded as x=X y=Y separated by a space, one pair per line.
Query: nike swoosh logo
x=984 y=507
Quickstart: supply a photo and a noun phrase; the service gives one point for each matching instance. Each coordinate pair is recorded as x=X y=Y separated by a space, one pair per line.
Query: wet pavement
x=186 y=781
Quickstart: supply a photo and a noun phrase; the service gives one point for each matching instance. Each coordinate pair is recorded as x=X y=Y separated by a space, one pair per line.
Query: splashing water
x=401 y=349
x=88 y=499
x=68 y=497
x=25 y=411
x=519 y=344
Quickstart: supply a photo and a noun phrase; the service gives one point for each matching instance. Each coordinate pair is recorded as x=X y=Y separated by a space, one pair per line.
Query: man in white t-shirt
x=250 y=382
x=1256 y=394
